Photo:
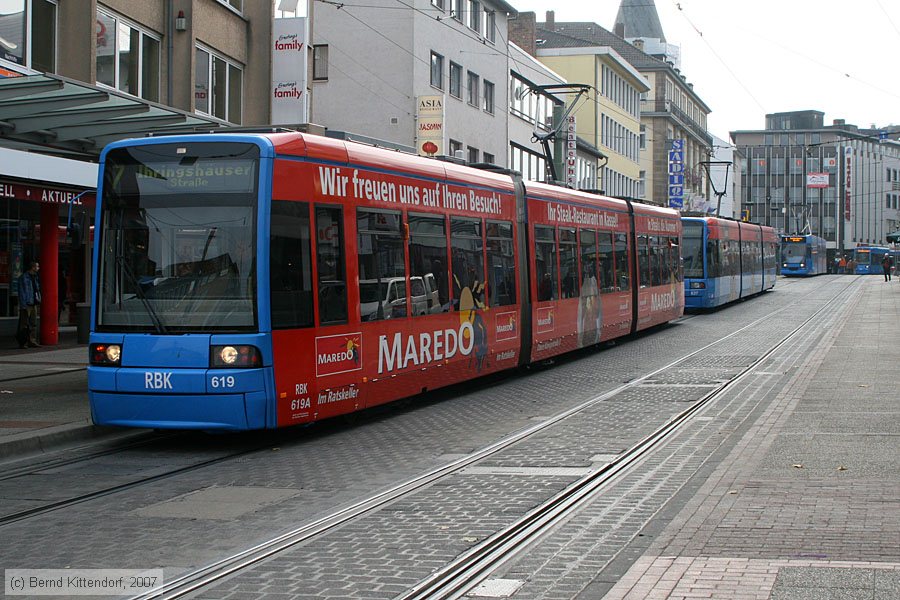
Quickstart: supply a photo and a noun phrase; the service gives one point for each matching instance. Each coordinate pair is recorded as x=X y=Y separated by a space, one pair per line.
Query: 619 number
x=225 y=381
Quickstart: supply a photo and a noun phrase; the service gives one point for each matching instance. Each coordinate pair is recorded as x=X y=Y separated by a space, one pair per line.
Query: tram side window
x=675 y=259
x=468 y=263
x=331 y=265
x=382 y=266
x=568 y=262
x=428 y=259
x=587 y=241
x=607 y=262
x=657 y=261
x=501 y=264
x=713 y=259
x=545 y=263
x=623 y=277
x=290 y=269
x=643 y=249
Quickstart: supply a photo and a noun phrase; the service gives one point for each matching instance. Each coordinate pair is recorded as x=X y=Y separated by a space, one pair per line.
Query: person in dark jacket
x=29 y=300
x=887 y=264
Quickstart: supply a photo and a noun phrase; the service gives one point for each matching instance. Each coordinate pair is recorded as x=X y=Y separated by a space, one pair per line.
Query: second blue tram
x=726 y=260
x=868 y=259
x=803 y=255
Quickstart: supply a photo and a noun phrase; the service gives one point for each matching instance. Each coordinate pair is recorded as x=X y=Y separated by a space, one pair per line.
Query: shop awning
x=50 y=111
x=893 y=238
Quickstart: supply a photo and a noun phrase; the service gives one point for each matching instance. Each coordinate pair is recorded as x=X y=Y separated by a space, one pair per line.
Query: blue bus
x=726 y=260
x=803 y=255
x=868 y=259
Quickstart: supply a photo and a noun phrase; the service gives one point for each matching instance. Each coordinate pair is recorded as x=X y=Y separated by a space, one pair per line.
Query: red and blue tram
x=247 y=281
x=726 y=260
x=803 y=255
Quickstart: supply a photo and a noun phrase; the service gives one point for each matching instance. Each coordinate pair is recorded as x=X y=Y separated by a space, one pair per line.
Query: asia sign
x=676 y=174
x=289 y=68
x=430 y=125
x=571 y=153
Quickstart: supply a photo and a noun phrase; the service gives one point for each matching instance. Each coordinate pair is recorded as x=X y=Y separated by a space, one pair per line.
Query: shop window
x=127 y=57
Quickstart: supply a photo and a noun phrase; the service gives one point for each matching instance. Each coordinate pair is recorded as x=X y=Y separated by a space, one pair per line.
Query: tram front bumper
x=207 y=399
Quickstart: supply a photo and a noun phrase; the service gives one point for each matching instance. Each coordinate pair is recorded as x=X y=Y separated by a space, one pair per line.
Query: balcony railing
x=668 y=107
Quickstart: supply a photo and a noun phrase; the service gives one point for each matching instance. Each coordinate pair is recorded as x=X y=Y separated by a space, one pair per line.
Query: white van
x=391 y=297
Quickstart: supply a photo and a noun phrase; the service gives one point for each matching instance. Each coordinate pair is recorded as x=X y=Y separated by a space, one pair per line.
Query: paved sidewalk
x=807 y=506
x=37 y=412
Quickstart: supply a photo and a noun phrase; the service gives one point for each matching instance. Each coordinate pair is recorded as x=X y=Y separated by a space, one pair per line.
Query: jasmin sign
x=430 y=125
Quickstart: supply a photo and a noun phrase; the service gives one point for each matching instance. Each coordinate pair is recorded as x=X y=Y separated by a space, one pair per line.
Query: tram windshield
x=791 y=250
x=177 y=238
x=692 y=249
x=863 y=257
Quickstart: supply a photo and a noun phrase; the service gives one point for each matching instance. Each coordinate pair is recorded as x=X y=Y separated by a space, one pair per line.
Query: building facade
x=838 y=181
x=77 y=74
x=669 y=117
x=373 y=62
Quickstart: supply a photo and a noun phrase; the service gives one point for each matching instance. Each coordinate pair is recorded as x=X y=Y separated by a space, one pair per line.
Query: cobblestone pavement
x=202 y=516
x=807 y=505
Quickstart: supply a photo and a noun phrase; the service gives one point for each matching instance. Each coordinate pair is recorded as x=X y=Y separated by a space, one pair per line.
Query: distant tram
x=868 y=259
x=726 y=260
x=803 y=255
x=248 y=281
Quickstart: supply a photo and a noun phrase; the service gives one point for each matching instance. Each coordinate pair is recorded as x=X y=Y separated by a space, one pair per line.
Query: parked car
x=390 y=295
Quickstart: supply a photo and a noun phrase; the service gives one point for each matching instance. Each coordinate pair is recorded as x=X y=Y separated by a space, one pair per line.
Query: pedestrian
x=887 y=263
x=842 y=264
x=63 y=291
x=851 y=266
x=29 y=300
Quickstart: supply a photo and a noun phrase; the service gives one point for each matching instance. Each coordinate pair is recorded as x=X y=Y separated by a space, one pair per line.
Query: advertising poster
x=430 y=126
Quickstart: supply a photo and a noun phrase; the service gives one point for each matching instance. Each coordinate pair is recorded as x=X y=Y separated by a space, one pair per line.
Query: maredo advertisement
x=430 y=125
x=289 y=61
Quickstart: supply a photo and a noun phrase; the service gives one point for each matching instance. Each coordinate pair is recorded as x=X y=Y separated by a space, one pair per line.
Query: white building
x=371 y=63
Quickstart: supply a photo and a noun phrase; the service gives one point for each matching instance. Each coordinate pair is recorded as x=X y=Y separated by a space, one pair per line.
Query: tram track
x=473 y=566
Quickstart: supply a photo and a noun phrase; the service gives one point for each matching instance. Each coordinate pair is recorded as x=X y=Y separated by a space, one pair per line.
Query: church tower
x=638 y=20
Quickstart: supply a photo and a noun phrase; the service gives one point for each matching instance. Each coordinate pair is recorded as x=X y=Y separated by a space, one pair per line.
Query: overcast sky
x=763 y=56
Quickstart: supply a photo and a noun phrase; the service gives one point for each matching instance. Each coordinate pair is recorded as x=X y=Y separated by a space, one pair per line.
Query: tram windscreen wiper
x=126 y=269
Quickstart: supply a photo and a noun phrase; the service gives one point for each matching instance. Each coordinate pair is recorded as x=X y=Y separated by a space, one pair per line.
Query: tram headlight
x=109 y=355
x=802 y=265
x=234 y=356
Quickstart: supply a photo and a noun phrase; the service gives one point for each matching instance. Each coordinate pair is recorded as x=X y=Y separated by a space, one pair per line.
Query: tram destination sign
x=204 y=176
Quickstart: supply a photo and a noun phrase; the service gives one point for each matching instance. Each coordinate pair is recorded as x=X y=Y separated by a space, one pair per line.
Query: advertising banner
x=676 y=174
x=289 y=67
x=430 y=126
x=571 y=153
x=848 y=181
x=817 y=180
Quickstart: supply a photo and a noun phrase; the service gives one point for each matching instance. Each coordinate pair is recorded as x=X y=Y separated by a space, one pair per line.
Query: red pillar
x=49 y=327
